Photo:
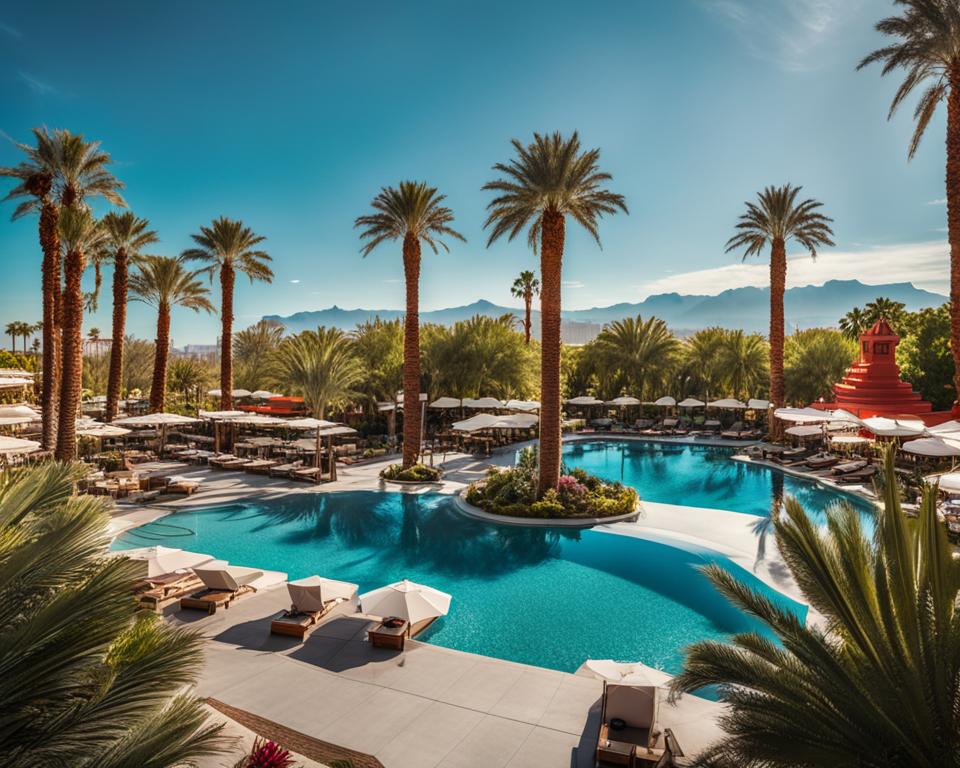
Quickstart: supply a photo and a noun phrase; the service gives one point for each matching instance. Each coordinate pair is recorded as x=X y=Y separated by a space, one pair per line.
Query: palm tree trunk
x=527 y=300
x=778 y=284
x=411 y=352
x=551 y=267
x=50 y=243
x=115 y=380
x=72 y=366
x=161 y=351
x=953 y=225
x=226 y=337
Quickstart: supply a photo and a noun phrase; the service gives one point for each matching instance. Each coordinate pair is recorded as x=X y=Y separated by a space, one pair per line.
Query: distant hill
x=747 y=308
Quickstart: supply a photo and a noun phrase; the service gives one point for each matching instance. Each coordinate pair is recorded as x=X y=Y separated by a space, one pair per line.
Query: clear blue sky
x=291 y=116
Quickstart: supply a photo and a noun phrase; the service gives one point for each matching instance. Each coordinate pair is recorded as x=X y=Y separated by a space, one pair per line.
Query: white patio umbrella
x=945 y=427
x=516 y=421
x=221 y=415
x=757 y=405
x=584 y=400
x=947 y=482
x=258 y=420
x=806 y=430
x=885 y=427
x=161 y=560
x=802 y=415
x=623 y=401
x=11 y=415
x=445 y=403
x=406 y=600
x=665 y=402
x=14 y=383
x=12 y=446
x=233 y=392
x=308 y=422
x=96 y=429
x=728 y=402
x=160 y=420
x=310 y=593
x=931 y=446
x=482 y=402
x=15 y=373
x=475 y=423
x=522 y=405
x=690 y=402
x=263 y=394
x=626 y=673
x=849 y=440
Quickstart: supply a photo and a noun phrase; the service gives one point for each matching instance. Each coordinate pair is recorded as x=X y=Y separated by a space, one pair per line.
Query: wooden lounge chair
x=306 y=474
x=628 y=725
x=284 y=470
x=848 y=466
x=235 y=464
x=260 y=466
x=822 y=461
x=734 y=431
x=220 y=460
x=223 y=583
x=184 y=485
x=153 y=593
x=311 y=600
x=711 y=425
x=793 y=456
x=860 y=476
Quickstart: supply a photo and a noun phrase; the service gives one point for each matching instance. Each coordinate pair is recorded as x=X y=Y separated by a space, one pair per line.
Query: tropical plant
x=776 y=218
x=164 y=282
x=926 y=47
x=526 y=287
x=875 y=683
x=83 y=682
x=321 y=366
x=266 y=754
x=545 y=182
x=924 y=354
x=814 y=360
x=411 y=212
x=699 y=372
x=127 y=236
x=642 y=350
x=854 y=323
x=252 y=348
x=228 y=247
x=36 y=176
x=888 y=309
x=379 y=345
x=18 y=329
x=187 y=375
x=743 y=358
x=80 y=234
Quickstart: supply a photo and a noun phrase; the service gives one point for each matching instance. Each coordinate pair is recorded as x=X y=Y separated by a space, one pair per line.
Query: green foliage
x=83 y=682
x=379 y=345
x=924 y=354
x=252 y=348
x=413 y=208
x=778 y=216
x=188 y=374
x=857 y=320
x=19 y=361
x=513 y=492
x=814 y=360
x=637 y=352
x=874 y=683
x=418 y=473
x=137 y=368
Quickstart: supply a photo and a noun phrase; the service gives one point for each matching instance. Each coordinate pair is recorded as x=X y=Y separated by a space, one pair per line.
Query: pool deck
x=429 y=706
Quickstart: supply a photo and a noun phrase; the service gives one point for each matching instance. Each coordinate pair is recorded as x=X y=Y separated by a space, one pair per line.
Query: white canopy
x=884 y=427
x=849 y=440
x=221 y=415
x=11 y=415
x=805 y=430
x=233 y=393
x=446 y=403
x=757 y=405
x=13 y=383
x=156 y=420
x=336 y=429
x=584 y=400
x=728 y=402
x=101 y=430
x=626 y=673
x=309 y=422
x=802 y=415
x=522 y=405
x=946 y=427
x=406 y=600
x=161 y=560
x=10 y=446
x=263 y=394
x=666 y=401
x=947 y=482
x=492 y=421
x=311 y=593
x=16 y=373
x=931 y=446
x=258 y=419
x=482 y=402
x=691 y=402
x=623 y=401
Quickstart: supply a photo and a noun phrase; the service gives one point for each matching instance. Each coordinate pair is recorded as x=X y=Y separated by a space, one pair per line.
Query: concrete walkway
x=427 y=707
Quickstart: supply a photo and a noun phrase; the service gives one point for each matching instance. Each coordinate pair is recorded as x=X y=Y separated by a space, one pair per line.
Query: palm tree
x=854 y=323
x=525 y=287
x=743 y=359
x=228 y=247
x=321 y=366
x=163 y=282
x=890 y=310
x=548 y=180
x=776 y=218
x=84 y=682
x=927 y=49
x=26 y=331
x=36 y=176
x=187 y=375
x=12 y=330
x=875 y=683
x=81 y=234
x=252 y=348
x=411 y=212
x=642 y=350
x=127 y=236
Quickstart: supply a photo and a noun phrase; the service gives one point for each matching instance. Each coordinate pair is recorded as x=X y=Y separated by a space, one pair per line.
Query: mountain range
x=747 y=308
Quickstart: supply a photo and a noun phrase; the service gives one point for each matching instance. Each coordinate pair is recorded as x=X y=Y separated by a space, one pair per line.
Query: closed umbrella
x=406 y=600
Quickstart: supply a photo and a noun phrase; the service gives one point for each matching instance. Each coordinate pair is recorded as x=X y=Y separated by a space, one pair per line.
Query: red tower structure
x=872 y=386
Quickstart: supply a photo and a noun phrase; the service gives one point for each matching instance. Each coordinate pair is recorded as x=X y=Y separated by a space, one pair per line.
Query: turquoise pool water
x=547 y=597
x=701 y=476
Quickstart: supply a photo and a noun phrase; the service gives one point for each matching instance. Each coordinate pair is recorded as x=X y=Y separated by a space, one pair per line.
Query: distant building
x=200 y=350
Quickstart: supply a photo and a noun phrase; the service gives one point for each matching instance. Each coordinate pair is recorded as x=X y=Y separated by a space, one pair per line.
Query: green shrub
x=418 y=473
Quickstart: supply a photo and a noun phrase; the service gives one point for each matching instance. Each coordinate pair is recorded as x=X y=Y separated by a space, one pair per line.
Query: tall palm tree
x=228 y=247
x=85 y=683
x=320 y=365
x=743 y=358
x=12 y=329
x=26 y=331
x=890 y=310
x=36 y=176
x=548 y=180
x=127 y=236
x=252 y=349
x=776 y=218
x=163 y=282
x=81 y=234
x=927 y=49
x=525 y=287
x=875 y=684
x=854 y=323
x=410 y=212
x=642 y=350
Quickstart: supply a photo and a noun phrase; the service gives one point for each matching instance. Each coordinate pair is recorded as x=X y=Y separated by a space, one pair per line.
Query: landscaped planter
x=466 y=508
x=429 y=475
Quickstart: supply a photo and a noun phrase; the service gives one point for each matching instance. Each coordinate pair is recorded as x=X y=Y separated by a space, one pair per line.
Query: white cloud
x=940 y=201
x=393 y=280
x=926 y=265
x=786 y=32
x=573 y=284
x=294 y=281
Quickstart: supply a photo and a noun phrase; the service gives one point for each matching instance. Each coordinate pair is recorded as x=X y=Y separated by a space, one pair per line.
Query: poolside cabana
x=308 y=422
x=158 y=421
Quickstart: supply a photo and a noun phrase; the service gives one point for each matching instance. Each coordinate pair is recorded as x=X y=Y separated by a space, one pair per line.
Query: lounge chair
x=306 y=474
x=822 y=461
x=235 y=465
x=628 y=724
x=185 y=485
x=260 y=466
x=284 y=470
x=859 y=476
x=312 y=599
x=848 y=466
x=153 y=593
x=793 y=456
x=734 y=431
x=711 y=425
x=220 y=459
x=223 y=583
x=672 y=756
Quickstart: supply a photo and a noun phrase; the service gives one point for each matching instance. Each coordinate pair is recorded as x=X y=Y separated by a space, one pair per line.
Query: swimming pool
x=546 y=597
x=702 y=476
